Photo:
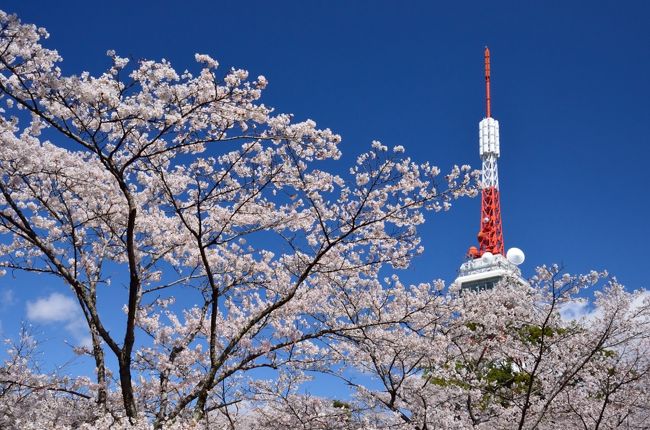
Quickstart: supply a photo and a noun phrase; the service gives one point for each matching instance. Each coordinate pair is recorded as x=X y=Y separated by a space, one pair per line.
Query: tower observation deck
x=488 y=264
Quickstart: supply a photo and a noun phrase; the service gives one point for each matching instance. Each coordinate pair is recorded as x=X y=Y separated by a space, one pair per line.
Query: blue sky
x=569 y=87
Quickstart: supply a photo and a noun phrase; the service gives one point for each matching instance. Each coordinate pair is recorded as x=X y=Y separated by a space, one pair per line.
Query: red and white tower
x=488 y=263
x=490 y=236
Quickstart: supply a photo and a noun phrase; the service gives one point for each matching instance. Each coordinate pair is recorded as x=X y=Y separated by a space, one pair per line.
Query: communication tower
x=487 y=264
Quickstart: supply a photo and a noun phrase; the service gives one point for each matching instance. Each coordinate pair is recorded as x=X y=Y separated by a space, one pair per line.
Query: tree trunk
x=127 y=388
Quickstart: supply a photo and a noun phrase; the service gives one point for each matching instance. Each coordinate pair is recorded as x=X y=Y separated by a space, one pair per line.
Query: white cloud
x=583 y=309
x=78 y=328
x=60 y=308
x=640 y=300
x=6 y=298
x=55 y=307
x=577 y=309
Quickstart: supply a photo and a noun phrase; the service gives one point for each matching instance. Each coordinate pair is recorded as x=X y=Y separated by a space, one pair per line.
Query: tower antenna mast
x=488 y=113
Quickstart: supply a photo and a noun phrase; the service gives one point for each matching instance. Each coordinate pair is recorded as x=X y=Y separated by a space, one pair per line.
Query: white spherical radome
x=516 y=256
x=488 y=257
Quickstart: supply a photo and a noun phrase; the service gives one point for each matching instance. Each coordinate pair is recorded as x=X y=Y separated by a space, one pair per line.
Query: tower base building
x=484 y=273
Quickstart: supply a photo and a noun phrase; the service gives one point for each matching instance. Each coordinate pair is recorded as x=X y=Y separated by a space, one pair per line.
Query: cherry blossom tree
x=171 y=183
x=506 y=358
x=239 y=252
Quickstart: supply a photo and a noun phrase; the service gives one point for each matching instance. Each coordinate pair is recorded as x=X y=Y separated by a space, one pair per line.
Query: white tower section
x=489 y=151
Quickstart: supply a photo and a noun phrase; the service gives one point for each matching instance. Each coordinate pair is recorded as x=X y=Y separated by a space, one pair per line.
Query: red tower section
x=490 y=236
